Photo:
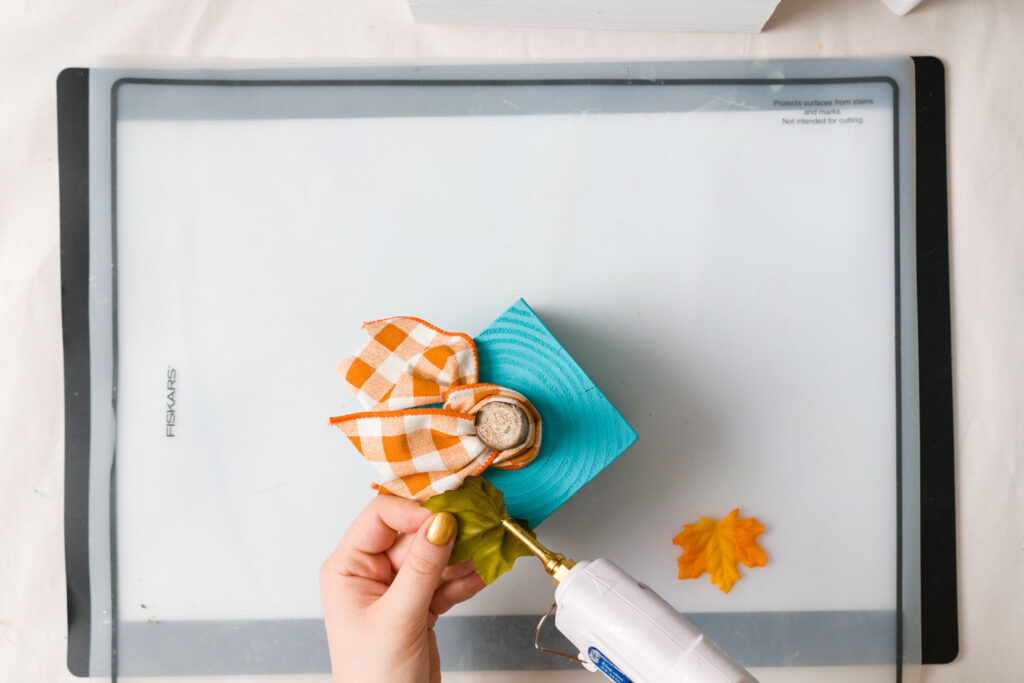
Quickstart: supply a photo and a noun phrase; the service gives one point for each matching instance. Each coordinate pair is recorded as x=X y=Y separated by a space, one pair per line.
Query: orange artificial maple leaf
x=716 y=547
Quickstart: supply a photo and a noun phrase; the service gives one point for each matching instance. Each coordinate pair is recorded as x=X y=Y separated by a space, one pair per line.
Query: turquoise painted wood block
x=582 y=432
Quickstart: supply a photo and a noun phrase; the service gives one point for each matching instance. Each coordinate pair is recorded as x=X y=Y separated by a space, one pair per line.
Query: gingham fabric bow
x=421 y=452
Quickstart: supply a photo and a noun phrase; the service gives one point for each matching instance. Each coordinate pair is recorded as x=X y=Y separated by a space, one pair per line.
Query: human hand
x=383 y=588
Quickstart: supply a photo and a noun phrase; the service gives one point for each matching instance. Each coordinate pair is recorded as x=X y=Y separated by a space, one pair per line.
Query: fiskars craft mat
x=727 y=250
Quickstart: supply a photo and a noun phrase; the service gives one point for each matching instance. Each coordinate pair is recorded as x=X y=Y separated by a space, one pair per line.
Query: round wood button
x=502 y=425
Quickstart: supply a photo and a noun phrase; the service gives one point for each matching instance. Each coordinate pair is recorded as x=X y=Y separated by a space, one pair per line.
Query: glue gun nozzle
x=555 y=564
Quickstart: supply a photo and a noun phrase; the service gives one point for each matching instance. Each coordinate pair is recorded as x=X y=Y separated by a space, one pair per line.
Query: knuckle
x=440 y=605
x=418 y=564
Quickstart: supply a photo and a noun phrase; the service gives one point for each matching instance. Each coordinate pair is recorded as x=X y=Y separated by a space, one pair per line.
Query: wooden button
x=502 y=426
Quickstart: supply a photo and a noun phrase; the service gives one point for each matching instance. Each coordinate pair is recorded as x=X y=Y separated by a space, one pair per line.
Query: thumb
x=420 y=574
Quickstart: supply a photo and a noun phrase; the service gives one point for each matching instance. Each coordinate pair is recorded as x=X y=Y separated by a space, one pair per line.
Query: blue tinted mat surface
x=582 y=432
x=607 y=195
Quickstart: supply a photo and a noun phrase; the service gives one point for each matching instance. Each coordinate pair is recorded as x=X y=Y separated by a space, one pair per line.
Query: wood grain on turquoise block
x=582 y=432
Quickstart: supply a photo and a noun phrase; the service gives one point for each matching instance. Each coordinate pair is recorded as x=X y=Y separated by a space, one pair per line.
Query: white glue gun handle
x=627 y=631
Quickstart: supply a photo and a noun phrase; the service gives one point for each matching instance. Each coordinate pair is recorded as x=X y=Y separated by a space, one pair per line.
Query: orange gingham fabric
x=407 y=363
x=421 y=452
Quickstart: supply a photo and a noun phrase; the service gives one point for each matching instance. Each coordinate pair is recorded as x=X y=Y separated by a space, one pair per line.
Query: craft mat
x=223 y=255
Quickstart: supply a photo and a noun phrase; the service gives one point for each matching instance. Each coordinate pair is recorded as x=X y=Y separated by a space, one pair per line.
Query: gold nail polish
x=442 y=527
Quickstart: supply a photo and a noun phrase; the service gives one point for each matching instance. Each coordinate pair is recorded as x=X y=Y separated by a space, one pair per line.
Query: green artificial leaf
x=479 y=506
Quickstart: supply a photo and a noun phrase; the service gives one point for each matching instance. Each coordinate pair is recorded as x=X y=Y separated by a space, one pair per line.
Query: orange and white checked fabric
x=408 y=362
x=421 y=452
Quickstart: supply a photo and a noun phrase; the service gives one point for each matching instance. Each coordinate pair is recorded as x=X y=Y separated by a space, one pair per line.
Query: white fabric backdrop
x=980 y=42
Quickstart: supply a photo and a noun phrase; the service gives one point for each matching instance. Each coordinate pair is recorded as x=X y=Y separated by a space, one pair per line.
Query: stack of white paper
x=739 y=16
x=901 y=7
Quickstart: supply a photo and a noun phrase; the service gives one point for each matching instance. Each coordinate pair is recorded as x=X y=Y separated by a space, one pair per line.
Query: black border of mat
x=939 y=616
x=940 y=640
x=73 y=156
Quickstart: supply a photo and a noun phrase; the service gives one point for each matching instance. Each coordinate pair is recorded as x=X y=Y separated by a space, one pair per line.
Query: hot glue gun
x=623 y=628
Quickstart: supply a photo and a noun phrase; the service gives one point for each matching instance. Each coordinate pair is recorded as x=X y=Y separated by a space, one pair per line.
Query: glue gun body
x=630 y=634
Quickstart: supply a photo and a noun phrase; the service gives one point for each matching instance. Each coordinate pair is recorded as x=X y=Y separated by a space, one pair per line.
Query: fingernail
x=442 y=527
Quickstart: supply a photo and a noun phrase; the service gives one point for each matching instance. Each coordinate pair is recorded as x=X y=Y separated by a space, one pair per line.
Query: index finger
x=375 y=529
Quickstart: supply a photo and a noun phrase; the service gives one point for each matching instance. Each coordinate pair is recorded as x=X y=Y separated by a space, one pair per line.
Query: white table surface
x=979 y=41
